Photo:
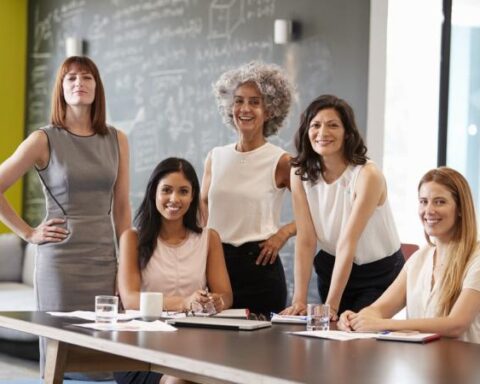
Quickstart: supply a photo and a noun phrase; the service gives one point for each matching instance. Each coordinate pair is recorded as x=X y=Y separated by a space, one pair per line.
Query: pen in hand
x=206 y=293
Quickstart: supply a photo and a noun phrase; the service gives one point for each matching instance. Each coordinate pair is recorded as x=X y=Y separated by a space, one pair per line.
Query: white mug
x=151 y=305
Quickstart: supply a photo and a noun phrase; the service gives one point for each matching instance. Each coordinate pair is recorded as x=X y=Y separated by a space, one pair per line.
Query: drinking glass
x=106 y=309
x=318 y=317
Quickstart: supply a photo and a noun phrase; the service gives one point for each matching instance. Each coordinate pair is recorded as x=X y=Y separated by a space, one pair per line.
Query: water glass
x=151 y=305
x=318 y=317
x=106 y=309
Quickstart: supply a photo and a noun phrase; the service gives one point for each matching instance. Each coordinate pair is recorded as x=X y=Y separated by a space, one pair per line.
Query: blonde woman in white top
x=169 y=252
x=440 y=283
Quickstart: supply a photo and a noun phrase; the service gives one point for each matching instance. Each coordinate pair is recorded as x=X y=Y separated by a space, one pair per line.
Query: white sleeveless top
x=422 y=298
x=330 y=207
x=244 y=202
x=178 y=270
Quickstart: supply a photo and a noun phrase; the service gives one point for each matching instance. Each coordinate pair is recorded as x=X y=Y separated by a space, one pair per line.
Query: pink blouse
x=178 y=270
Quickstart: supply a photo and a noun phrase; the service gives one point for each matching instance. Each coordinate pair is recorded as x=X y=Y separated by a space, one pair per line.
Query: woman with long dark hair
x=169 y=252
x=340 y=201
x=166 y=224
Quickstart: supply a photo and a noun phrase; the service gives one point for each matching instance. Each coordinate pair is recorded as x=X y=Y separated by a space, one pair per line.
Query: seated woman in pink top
x=440 y=283
x=169 y=252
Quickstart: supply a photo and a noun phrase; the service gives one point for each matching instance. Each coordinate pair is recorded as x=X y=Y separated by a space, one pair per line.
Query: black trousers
x=137 y=377
x=366 y=283
x=260 y=288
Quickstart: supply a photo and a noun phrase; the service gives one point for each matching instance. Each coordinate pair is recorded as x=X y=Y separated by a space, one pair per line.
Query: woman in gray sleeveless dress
x=83 y=166
x=78 y=185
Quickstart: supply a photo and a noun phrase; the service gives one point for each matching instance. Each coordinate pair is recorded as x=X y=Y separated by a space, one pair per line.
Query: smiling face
x=437 y=211
x=249 y=113
x=327 y=133
x=174 y=195
x=78 y=86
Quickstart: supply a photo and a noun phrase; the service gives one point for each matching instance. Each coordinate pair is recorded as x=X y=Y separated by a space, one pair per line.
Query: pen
x=399 y=333
x=206 y=293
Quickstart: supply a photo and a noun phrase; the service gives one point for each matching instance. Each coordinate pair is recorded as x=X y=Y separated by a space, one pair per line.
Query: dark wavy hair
x=148 y=220
x=309 y=164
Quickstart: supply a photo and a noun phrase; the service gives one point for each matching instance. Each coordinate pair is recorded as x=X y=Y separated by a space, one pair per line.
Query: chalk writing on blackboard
x=225 y=17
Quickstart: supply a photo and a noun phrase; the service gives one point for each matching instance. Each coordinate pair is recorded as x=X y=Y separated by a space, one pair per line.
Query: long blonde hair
x=464 y=240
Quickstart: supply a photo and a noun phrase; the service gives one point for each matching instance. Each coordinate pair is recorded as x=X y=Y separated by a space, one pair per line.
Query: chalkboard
x=159 y=58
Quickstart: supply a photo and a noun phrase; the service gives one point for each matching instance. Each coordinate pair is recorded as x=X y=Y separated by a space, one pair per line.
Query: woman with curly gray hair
x=244 y=184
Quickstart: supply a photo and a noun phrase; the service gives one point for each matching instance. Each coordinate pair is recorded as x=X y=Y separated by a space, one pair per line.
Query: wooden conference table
x=263 y=356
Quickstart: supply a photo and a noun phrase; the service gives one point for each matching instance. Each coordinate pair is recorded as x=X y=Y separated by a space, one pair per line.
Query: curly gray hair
x=272 y=84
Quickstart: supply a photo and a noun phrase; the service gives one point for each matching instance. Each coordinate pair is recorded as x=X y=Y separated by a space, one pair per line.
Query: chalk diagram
x=224 y=18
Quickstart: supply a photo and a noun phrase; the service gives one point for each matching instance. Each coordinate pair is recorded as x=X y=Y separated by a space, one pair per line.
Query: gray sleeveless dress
x=78 y=186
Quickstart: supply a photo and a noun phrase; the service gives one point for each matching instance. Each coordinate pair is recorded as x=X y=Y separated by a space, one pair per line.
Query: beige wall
x=13 y=47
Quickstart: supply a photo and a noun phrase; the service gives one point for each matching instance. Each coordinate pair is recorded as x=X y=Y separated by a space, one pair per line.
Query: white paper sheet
x=129 y=314
x=133 y=326
x=337 y=335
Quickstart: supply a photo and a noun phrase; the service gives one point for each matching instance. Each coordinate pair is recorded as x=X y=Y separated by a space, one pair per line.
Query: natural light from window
x=411 y=111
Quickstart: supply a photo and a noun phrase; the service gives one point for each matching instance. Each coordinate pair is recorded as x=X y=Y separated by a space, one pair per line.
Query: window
x=463 y=136
x=411 y=107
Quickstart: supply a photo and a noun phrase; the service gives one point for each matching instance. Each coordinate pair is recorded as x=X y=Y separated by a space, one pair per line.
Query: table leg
x=55 y=362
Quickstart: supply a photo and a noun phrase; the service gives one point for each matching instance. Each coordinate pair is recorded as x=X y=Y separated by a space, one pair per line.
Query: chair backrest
x=29 y=264
x=11 y=257
x=408 y=249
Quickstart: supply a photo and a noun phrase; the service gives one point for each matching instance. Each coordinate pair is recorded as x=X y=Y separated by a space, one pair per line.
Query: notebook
x=218 y=322
x=290 y=319
x=238 y=313
x=408 y=336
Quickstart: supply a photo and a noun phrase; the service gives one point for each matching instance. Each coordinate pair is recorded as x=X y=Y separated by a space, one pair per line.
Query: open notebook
x=218 y=322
